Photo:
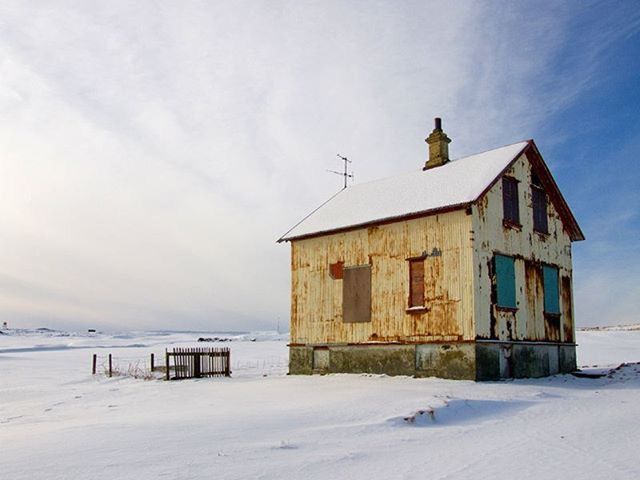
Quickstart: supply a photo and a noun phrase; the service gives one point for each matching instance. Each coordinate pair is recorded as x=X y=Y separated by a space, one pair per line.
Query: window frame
x=510 y=201
x=539 y=206
x=418 y=261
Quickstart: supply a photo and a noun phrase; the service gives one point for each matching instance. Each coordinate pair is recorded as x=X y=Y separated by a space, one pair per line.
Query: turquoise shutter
x=505 y=281
x=551 y=292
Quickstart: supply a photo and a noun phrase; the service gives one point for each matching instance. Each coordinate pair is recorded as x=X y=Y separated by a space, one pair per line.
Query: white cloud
x=152 y=153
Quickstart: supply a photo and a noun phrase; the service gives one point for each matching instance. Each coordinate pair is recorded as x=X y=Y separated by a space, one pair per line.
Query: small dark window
x=510 y=200
x=356 y=294
x=551 y=291
x=535 y=180
x=539 y=200
x=416 y=283
x=505 y=281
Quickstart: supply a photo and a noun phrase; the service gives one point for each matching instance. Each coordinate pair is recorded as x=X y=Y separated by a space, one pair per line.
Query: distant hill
x=612 y=328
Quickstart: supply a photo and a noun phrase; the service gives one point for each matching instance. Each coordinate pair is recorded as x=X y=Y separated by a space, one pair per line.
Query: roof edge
x=284 y=238
x=380 y=221
x=570 y=221
x=502 y=172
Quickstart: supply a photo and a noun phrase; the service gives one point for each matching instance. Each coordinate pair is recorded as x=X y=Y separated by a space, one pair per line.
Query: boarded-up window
x=416 y=283
x=356 y=294
x=539 y=200
x=505 y=281
x=510 y=200
x=551 y=291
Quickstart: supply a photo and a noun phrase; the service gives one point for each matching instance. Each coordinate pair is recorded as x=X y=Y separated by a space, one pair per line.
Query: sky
x=151 y=153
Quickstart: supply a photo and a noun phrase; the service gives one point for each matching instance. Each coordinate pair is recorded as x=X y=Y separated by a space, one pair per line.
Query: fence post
x=93 y=364
x=110 y=366
x=227 y=370
x=152 y=363
x=196 y=365
x=167 y=360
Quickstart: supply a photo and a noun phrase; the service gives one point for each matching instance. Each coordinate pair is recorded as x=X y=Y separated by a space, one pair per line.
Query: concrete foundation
x=486 y=360
x=300 y=360
x=496 y=360
x=446 y=360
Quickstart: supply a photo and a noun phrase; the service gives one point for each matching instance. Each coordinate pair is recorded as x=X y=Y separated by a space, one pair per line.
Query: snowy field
x=57 y=421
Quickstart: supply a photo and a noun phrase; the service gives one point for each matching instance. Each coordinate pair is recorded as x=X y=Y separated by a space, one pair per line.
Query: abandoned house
x=461 y=269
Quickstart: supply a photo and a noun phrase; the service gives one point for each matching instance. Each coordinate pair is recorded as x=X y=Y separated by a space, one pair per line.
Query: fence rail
x=198 y=362
x=179 y=363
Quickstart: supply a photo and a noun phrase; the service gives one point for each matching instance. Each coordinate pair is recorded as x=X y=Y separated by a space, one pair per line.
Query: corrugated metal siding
x=531 y=250
x=316 y=301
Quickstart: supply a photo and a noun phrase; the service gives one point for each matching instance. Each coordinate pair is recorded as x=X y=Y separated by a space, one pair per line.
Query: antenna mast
x=346 y=173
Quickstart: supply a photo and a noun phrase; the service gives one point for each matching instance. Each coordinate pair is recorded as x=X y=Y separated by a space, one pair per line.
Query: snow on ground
x=57 y=421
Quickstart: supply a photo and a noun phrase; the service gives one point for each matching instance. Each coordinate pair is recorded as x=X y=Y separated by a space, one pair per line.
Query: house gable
x=538 y=165
x=524 y=318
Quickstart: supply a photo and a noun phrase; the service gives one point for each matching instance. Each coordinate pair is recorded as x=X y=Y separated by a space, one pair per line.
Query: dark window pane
x=510 y=200
x=505 y=281
x=535 y=180
x=539 y=198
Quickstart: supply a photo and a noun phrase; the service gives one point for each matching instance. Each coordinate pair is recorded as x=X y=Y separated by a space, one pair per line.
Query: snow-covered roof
x=458 y=182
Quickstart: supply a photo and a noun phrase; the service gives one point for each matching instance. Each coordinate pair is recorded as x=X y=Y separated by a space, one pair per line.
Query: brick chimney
x=438 y=147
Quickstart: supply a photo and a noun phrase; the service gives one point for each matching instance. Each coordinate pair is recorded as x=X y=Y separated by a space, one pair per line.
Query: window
x=505 y=281
x=356 y=294
x=551 y=292
x=416 y=283
x=539 y=203
x=539 y=200
x=510 y=200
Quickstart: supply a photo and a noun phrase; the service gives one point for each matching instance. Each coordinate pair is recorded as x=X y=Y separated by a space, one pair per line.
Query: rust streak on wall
x=567 y=308
x=552 y=327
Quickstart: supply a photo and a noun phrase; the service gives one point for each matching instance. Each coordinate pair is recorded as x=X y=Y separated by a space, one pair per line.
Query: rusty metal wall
x=316 y=299
x=530 y=249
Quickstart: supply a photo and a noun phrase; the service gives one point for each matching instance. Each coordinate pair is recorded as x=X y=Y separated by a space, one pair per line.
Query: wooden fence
x=198 y=362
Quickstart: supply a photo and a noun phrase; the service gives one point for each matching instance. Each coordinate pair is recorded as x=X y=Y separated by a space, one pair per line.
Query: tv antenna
x=346 y=173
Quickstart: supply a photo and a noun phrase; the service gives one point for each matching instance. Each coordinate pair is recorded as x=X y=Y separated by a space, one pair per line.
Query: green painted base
x=465 y=361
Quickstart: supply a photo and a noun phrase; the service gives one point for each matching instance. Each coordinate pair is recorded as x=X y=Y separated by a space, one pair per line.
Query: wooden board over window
x=551 y=290
x=505 y=281
x=356 y=294
x=416 y=283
